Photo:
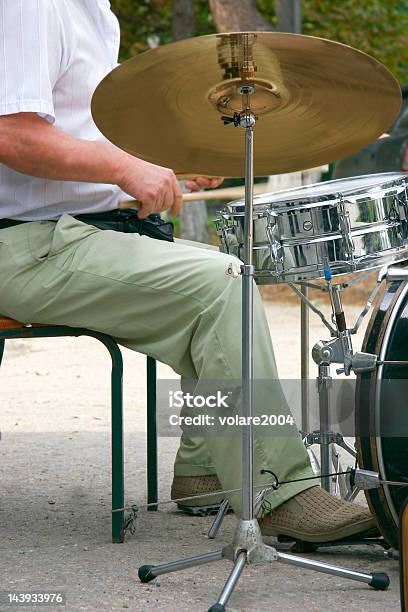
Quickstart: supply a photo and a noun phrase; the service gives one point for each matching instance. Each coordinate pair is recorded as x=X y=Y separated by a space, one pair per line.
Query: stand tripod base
x=248 y=547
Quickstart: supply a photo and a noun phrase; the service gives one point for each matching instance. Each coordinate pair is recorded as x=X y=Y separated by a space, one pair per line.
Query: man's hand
x=154 y=186
x=203 y=182
x=157 y=188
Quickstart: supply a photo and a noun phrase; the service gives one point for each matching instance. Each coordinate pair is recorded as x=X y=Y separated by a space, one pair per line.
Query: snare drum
x=349 y=225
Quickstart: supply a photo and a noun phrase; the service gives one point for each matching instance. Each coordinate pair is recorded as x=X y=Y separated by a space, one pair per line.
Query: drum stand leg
x=337 y=350
x=304 y=358
x=247 y=545
x=324 y=383
x=324 y=436
x=216 y=524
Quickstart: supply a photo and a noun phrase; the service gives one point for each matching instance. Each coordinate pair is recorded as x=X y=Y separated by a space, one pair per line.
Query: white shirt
x=53 y=55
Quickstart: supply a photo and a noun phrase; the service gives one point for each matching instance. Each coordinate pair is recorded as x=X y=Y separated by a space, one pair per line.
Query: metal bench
x=11 y=329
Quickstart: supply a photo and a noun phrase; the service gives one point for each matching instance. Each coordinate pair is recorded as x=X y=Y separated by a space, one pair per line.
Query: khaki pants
x=174 y=302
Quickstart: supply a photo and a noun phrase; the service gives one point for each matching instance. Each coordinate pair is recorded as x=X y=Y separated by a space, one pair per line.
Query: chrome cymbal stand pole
x=248 y=123
x=247 y=546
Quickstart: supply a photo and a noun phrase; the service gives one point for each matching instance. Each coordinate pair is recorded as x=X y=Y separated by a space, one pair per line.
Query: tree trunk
x=183 y=19
x=237 y=16
x=193 y=217
x=194 y=222
x=289 y=17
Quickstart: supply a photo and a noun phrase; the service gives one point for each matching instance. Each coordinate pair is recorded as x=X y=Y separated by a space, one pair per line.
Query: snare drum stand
x=324 y=353
x=338 y=350
x=247 y=546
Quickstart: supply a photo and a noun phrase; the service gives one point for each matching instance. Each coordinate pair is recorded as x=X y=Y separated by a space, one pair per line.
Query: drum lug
x=275 y=246
x=224 y=228
x=345 y=228
x=363 y=362
x=396 y=275
x=364 y=479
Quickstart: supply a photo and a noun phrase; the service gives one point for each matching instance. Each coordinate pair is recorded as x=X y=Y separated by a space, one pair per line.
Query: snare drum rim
x=263 y=203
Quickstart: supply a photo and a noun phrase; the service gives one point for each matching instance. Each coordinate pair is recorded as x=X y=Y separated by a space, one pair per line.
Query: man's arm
x=29 y=144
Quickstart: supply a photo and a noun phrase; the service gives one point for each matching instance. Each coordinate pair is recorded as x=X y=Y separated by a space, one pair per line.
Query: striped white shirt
x=53 y=54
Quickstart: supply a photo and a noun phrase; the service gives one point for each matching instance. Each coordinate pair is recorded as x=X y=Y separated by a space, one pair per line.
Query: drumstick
x=226 y=193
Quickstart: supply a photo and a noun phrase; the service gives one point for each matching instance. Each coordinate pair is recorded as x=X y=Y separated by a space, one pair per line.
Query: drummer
x=171 y=301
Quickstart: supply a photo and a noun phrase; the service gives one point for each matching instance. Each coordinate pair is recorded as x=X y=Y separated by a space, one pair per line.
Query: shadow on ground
x=55 y=534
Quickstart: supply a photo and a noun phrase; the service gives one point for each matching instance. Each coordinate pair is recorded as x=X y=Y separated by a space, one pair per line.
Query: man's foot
x=186 y=486
x=316 y=516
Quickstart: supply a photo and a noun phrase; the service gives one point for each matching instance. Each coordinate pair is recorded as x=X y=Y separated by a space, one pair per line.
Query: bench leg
x=118 y=488
x=151 y=434
x=2 y=343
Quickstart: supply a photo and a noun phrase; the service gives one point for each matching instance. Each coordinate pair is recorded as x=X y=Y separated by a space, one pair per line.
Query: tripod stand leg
x=147 y=573
x=233 y=578
x=351 y=495
x=377 y=580
x=347 y=446
x=213 y=530
x=324 y=384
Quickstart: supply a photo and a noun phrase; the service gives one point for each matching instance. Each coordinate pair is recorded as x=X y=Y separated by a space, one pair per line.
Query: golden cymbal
x=315 y=101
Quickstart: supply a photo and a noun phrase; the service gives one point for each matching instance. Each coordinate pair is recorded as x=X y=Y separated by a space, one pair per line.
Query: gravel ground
x=55 y=500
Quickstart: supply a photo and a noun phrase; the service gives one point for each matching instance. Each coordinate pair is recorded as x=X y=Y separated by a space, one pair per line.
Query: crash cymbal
x=316 y=101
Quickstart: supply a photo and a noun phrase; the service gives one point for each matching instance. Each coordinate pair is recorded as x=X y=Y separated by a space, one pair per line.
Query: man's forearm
x=30 y=145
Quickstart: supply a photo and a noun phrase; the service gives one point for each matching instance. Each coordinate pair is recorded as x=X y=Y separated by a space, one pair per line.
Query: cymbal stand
x=247 y=546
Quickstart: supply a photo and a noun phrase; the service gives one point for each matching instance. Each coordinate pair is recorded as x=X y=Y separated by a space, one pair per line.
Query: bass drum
x=379 y=419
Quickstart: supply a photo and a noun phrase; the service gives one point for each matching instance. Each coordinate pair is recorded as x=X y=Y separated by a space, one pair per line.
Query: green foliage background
x=378 y=27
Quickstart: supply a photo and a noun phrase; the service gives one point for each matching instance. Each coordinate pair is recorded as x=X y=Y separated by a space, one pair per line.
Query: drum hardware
x=216 y=524
x=345 y=228
x=396 y=274
x=304 y=364
x=338 y=349
x=282 y=79
x=247 y=546
x=275 y=245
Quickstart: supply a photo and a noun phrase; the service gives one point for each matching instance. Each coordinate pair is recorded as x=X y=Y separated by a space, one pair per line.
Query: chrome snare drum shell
x=356 y=224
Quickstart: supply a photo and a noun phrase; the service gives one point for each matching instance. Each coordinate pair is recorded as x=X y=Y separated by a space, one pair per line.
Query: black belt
x=125 y=221
x=5 y=223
